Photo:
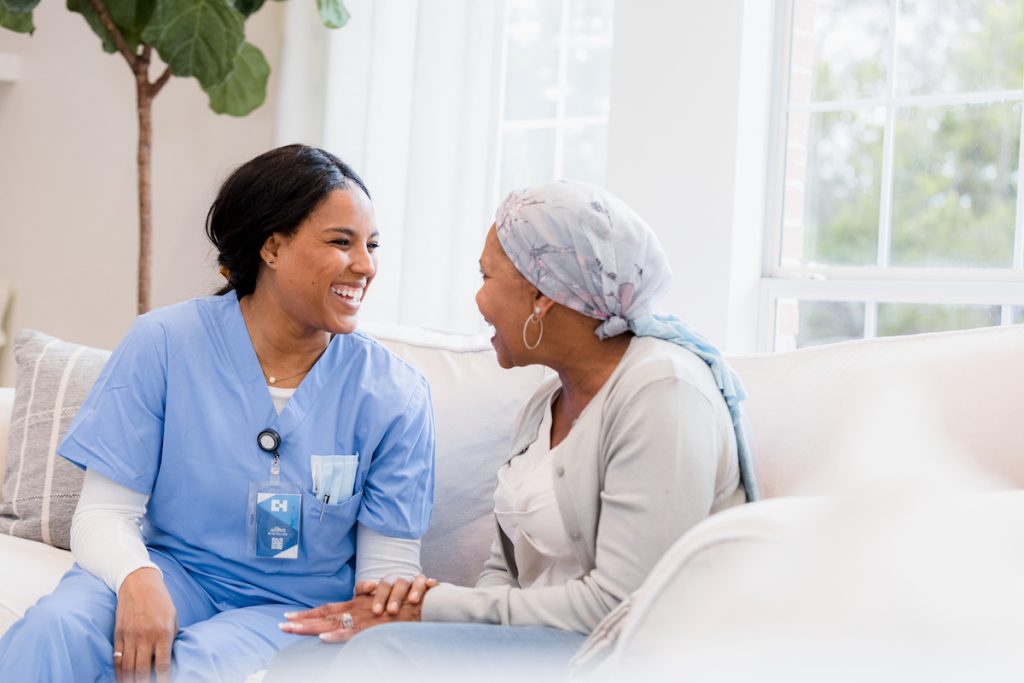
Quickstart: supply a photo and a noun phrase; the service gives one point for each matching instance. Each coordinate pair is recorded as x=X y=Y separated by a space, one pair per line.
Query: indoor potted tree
x=204 y=39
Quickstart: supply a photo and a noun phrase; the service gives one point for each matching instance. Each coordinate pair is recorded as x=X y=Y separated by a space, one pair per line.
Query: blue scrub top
x=175 y=414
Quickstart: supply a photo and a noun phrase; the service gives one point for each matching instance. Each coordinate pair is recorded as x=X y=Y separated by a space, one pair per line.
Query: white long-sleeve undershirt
x=106 y=538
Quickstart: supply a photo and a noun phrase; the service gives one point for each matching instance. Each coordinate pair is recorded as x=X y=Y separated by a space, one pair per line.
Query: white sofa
x=848 y=417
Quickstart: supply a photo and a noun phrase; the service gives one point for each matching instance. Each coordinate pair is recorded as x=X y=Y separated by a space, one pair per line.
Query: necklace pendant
x=272 y=380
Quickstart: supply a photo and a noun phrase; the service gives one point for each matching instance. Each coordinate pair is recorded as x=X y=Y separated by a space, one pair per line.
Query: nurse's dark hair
x=273 y=193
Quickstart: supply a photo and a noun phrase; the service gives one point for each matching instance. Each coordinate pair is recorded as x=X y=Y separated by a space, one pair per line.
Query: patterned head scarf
x=582 y=247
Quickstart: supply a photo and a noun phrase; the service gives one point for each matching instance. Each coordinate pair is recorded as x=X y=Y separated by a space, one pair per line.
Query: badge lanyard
x=275 y=508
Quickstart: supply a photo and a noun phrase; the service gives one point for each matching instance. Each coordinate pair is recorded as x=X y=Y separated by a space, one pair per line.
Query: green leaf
x=20 y=22
x=197 y=37
x=245 y=88
x=248 y=7
x=130 y=17
x=333 y=13
x=18 y=6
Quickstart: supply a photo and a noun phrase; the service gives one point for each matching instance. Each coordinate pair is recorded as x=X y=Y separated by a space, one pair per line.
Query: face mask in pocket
x=334 y=477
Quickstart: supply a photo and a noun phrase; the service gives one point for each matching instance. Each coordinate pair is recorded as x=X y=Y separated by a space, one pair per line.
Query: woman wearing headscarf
x=636 y=439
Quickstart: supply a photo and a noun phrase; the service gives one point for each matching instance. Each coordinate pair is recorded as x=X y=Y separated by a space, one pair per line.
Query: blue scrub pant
x=69 y=634
x=428 y=652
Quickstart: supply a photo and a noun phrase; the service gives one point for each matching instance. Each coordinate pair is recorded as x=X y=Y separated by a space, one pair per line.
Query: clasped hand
x=374 y=603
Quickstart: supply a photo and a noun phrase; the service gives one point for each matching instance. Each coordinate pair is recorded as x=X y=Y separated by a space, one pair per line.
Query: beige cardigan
x=653 y=454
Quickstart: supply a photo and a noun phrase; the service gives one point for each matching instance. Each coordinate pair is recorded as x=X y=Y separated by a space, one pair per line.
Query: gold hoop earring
x=538 y=321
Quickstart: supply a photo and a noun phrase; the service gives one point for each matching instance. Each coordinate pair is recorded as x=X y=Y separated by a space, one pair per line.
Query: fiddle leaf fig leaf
x=20 y=22
x=333 y=13
x=19 y=6
x=198 y=38
x=245 y=88
x=130 y=17
x=248 y=7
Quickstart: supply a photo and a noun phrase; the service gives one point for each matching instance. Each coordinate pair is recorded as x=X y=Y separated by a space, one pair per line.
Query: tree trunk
x=145 y=104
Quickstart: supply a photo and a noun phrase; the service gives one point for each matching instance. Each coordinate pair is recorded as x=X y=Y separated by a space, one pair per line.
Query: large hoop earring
x=538 y=321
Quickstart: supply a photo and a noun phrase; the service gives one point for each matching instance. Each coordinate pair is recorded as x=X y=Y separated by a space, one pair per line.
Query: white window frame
x=879 y=284
x=560 y=122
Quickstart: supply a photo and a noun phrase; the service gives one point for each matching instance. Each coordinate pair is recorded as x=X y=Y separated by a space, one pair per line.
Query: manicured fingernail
x=290 y=615
x=285 y=626
x=327 y=637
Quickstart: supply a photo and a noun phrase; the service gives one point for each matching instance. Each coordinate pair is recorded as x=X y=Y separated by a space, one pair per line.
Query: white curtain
x=408 y=94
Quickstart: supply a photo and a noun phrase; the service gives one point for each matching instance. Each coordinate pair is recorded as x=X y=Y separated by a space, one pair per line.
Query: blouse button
x=575 y=535
x=560 y=471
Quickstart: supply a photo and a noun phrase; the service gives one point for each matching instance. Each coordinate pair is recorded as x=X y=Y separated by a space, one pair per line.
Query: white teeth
x=355 y=294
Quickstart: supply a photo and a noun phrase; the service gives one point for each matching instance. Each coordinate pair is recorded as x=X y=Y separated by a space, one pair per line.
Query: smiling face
x=505 y=300
x=322 y=271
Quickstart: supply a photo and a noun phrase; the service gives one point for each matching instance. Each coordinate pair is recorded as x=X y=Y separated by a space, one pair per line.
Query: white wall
x=68 y=217
x=687 y=145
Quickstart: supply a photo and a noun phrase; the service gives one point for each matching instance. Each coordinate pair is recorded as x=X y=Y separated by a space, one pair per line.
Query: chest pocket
x=334 y=477
x=328 y=536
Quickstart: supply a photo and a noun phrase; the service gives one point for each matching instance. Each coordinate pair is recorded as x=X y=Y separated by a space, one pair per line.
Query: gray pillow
x=41 y=489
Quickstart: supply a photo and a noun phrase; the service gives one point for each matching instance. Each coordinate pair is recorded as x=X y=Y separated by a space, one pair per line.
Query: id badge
x=275 y=521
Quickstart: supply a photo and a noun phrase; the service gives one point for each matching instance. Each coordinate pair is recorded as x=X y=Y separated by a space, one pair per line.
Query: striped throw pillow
x=41 y=488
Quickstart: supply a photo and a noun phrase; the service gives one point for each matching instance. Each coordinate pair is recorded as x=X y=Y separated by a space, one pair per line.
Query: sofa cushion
x=41 y=489
x=475 y=404
x=825 y=416
x=28 y=570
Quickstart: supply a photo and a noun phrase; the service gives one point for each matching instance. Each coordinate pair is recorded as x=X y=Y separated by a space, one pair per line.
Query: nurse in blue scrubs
x=255 y=435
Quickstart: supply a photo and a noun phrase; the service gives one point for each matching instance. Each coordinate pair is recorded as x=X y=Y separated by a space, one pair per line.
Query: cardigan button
x=560 y=471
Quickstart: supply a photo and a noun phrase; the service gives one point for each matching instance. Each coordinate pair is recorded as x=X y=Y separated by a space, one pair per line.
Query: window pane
x=589 y=57
x=586 y=153
x=531 y=86
x=1018 y=314
x=962 y=46
x=955 y=185
x=527 y=158
x=825 y=322
x=894 y=319
x=839 y=49
x=832 y=203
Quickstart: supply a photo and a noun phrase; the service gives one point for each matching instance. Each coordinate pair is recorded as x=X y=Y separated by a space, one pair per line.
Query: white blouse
x=525 y=505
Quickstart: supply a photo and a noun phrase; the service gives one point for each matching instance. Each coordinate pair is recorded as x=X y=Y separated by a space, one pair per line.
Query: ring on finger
x=347 y=622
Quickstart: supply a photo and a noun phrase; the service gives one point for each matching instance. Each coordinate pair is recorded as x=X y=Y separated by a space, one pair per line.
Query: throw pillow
x=41 y=489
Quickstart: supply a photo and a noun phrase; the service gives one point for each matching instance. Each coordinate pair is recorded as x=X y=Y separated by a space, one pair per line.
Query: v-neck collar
x=250 y=374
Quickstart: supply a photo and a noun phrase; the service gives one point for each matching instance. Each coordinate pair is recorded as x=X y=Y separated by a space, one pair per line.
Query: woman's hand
x=365 y=610
x=391 y=595
x=145 y=627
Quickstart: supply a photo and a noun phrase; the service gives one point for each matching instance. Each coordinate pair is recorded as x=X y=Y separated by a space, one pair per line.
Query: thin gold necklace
x=271 y=379
x=274 y=380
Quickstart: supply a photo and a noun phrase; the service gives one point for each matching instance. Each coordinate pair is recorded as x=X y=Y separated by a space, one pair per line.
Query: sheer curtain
x=408 y=93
